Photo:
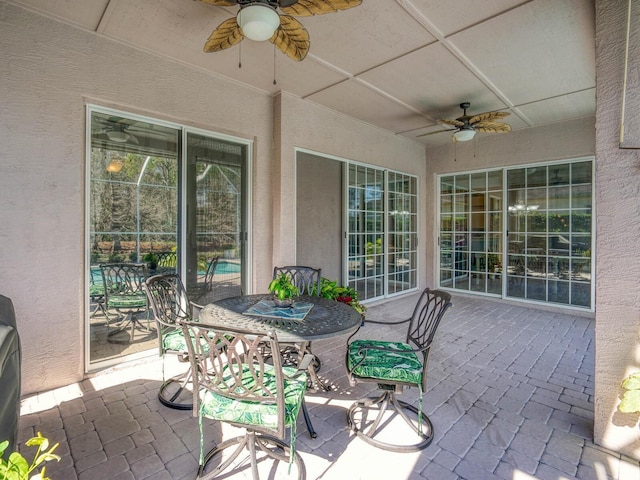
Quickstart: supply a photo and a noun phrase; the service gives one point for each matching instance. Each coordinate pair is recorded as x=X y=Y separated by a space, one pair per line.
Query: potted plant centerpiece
x=284 y=291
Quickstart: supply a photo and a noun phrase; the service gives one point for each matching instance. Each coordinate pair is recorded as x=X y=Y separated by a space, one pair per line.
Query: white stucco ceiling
x=396 y=64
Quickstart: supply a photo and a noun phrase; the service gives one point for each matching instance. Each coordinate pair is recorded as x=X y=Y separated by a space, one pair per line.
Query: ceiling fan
x=259 y=20
x=468 y=125
x=116 y=131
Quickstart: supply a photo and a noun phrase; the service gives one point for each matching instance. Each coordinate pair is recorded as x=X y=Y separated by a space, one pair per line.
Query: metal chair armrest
x=399 y=322
x=196 y=308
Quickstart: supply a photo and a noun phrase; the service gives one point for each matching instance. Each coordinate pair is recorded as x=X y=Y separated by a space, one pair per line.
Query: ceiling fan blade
x=433 y=133
x=226 y=35
x=306 y=8
x=453 y=123
x=221 y=3
x=133 y=138
x=291 y=38
x=487 y=117
x=492 y=127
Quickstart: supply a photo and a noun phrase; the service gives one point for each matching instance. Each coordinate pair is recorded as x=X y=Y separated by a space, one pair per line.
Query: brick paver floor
x=510 y=395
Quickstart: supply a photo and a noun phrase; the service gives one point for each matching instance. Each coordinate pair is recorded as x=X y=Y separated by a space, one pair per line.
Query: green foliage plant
x=331 y=290
x=151 y=259
x=16 y=467
x=630 y=402
x=282 y=287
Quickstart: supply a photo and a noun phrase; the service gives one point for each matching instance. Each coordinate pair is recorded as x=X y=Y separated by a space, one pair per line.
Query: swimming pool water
x=227 y=267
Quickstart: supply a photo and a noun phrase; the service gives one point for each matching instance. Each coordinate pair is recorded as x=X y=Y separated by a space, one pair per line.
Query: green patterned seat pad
x=127 y=301
x=219 y=407
x=400 y=365
x=96 y=290
x=174 y=341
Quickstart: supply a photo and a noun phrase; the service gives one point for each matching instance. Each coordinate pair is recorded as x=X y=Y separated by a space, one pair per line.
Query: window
x=546 y=246
x=382 y=231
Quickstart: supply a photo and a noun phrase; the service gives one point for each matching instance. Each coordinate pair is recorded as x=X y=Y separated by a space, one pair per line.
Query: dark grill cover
x=9 y=374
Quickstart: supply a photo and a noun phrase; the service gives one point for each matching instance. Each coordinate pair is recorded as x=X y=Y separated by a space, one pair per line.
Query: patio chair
x=203 y=288
x=394 y=366
x=234 y=384
x=307 y=280
x=96 y=293
x=124 y=293
x=168 y=300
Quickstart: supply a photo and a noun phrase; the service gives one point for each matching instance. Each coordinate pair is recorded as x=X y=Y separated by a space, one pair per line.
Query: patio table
x=325 y=319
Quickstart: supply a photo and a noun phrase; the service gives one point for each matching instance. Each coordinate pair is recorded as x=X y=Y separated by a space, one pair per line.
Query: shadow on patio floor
x=510 y=394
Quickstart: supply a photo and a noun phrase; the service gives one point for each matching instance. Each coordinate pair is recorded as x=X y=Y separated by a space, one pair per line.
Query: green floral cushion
x=127 y=301
x=173 y=340
x=400 y=365
x=96 y=290
x=226 y=409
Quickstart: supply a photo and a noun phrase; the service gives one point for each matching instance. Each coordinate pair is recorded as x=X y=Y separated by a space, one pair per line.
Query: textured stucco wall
x=617 y=234
x=301 y=124
x=49 y=72
x=319 y=214
x=542 y=144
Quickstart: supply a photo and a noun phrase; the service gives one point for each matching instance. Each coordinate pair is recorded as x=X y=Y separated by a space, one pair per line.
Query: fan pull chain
x=274 y=64
x=240 y=55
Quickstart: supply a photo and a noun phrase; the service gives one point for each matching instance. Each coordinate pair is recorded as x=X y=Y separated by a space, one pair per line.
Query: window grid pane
x=382 y=237
x=471 y=232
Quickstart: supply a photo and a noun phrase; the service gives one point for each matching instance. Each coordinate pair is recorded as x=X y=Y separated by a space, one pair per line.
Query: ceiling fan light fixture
x=119 y=136
x=258 y=21
x=464 y=134
x=115 y=165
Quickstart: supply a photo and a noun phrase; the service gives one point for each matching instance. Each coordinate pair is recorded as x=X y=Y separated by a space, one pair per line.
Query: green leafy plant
x=282 y=287
x=18 y=468
x=630 y=402
x=151 y=259
x=331 y=290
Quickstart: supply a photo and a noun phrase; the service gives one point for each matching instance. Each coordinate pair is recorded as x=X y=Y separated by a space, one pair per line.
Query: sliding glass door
x=549 y=231
x=133 y=218
x=215 y=223
x=471 y=232
x=170 y=198
x=381 y=231
x=535 y=246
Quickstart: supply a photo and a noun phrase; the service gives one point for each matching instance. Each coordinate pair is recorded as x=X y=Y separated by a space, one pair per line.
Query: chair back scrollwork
x=427 y=314
x=168 y=299
x=307 y=279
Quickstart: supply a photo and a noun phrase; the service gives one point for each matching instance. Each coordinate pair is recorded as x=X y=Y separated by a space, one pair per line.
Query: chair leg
x=112 y=336
x=388 y=404
x=172 y=400
x=307 y=420
x=252 y=442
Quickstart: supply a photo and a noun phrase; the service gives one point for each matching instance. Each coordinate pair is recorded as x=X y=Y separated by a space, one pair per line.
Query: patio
x=510 y=396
